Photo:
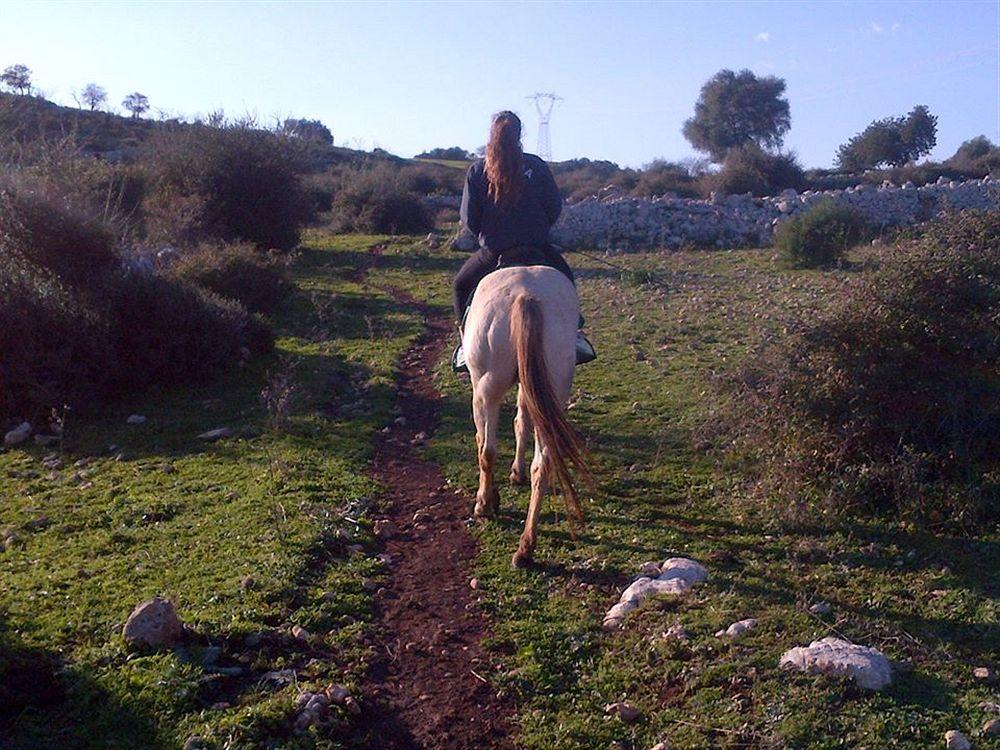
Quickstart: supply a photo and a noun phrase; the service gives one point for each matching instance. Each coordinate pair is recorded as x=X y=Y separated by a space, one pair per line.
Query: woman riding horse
x=510 y=202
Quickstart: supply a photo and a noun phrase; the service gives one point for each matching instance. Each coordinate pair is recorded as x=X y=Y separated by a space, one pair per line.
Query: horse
x=521 y=328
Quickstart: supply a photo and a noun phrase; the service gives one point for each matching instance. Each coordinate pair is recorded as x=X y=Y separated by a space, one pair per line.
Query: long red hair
x=505 y=159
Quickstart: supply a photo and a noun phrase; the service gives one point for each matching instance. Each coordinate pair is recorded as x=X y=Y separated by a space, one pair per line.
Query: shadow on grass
x=47 y=704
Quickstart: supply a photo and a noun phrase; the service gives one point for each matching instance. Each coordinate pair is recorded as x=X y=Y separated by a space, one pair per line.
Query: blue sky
x=408 y=76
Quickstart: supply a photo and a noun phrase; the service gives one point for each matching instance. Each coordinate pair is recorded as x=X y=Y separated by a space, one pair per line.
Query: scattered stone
x=473 y=583
x=252 y=640
x=17 y=435
x=220 y=706
x=384 y=528
x=369 y=584
x=194 y=742
x=12 y=541
x=352 y=705
x=992 y=727
x=626 y=712
x=820 y=609
x=153 y=623
x=677 y=575
x=984 y=674
x=247 y=583
x=210 y=654
x=300 y=633
x=136 y=419
x=419 y=437
x=867 y=666
x=737 y=628
x=219 y=433
x=660 y=746
x=955 y=740
x=46 y=440
x=677 y=632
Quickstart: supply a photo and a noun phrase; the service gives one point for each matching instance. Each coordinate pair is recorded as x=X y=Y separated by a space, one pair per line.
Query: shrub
x=169 y=331
x=235 y=271
x=821 y=235
x=44 y=233
x=233 y=184
x=54 y=349
x=378 y=200
x=753 y=170
x=660 y=177
x=890 y=400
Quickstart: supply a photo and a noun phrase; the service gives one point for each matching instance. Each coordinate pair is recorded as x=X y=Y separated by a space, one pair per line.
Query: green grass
x=190 y=520
x=187 y=520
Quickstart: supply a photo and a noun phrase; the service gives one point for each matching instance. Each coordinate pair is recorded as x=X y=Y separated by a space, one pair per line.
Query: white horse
x=521 y=328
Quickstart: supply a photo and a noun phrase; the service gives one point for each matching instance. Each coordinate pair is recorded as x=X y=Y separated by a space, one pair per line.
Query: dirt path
x=428 y=687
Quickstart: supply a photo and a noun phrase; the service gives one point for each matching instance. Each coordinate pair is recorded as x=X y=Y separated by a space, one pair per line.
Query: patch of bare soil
x=429 y=684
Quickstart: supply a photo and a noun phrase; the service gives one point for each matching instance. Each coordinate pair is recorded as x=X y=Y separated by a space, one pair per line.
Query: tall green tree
x=892 y=140
x=736 y=110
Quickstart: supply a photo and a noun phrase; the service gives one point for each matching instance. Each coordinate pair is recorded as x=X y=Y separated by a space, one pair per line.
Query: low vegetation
x=378 y=200
x=889 y=399
x=820 y=236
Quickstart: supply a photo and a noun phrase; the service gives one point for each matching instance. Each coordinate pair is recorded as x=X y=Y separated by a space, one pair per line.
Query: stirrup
x=458 y=363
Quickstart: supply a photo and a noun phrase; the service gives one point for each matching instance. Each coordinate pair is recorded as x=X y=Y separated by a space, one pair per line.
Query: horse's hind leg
x=486 y=413
x=522 y=433
x=539 y=486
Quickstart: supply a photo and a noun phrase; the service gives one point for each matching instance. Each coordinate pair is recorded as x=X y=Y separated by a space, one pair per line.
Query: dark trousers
x=485 y=260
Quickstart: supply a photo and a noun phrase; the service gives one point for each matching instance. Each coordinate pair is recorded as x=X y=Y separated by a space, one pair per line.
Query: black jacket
x=525 y=222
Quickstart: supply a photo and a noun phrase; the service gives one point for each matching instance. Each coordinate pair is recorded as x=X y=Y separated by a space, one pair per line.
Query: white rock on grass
x=737 y=628
x=867 y=666
x=820 y=609
x=992 y=727
x=955 y=740
x=136 y=419
x=217 y=434
x=18 y=435
x=153 y=623
x=677 y=575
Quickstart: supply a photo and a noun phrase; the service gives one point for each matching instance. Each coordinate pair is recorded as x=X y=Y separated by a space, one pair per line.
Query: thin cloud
x=764 y=36
x=876 y=29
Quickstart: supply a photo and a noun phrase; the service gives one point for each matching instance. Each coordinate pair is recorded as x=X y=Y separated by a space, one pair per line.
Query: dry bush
x=238 y=271
x=39 y=230
x=232 y=184
x=752 y=170
x=891 y=399
x=378 y=200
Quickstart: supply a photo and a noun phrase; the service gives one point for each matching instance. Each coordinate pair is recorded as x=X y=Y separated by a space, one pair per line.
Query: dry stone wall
x=622 y=223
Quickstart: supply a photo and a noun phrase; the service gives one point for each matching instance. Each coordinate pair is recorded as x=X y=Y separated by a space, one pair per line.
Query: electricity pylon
x=544 y=104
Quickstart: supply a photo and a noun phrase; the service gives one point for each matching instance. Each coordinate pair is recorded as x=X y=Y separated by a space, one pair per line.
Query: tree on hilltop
x=136 y=103
x=93 y=96
x=455 y=153
x=307 y=130
x=17 y=78
x=892 y=140
x=736 y=110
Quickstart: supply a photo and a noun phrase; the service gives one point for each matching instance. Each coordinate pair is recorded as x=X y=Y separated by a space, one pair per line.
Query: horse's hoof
x=483 y=511
x=521 y=560
x=518 y=479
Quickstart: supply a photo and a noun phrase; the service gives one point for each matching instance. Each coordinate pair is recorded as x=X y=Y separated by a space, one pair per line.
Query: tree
x=93 y=96
x=136 y=103
x=455 y=153
x=738 y=109
x=307 y=130
x=17 y=78
x=892 y=140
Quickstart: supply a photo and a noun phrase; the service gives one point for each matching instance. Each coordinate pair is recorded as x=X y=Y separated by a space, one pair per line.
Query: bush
x=48 y=235
x=378 y=200
x=54 y=349
x=753 y=170
x=890 y=400
x=233 y=184
x=235 y=271
x=821 y=235
x=661 y=177
x=168 y=331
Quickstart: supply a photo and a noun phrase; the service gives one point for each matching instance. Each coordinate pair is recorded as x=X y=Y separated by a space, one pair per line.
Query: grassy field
x=163 y=513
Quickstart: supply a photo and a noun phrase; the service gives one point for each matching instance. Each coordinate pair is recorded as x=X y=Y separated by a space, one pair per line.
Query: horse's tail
x=548 y=415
